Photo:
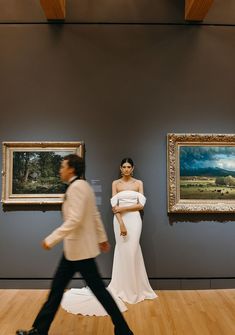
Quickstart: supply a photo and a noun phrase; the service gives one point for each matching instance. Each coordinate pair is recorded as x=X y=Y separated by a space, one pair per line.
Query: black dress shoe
x=32 y=331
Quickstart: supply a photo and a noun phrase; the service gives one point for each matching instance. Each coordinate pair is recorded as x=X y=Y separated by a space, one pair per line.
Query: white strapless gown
x=129 y=281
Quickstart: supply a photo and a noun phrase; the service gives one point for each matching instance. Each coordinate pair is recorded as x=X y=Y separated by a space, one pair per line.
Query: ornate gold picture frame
x=30 y=171
x=201 y=173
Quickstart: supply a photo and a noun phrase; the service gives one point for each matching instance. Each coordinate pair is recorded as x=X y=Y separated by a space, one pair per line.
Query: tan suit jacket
x=82 y=230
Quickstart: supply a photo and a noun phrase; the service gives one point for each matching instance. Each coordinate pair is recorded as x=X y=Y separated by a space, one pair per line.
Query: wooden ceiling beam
x=196 y=10
x=54 y=9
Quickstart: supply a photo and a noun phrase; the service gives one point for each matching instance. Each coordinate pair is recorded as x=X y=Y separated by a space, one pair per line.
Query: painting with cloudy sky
x=207 y=172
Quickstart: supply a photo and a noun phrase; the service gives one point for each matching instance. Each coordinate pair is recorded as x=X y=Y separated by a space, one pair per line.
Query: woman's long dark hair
x=127 y=160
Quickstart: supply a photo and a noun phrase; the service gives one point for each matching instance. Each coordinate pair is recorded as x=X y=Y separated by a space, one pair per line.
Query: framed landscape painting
x=30 y=171
x=201 y=173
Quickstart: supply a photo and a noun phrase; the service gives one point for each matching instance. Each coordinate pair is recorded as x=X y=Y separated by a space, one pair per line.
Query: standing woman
x=129 y=278
x=129 y=281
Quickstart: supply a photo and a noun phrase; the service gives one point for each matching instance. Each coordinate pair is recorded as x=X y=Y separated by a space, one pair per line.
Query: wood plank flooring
x=203 y=312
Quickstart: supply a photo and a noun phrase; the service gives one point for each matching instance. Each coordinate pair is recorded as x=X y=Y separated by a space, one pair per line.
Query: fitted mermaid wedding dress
x=129 y=278
x=129 y=281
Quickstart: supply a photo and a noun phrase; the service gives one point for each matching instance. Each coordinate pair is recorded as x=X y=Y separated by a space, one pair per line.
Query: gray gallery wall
x=120 y=89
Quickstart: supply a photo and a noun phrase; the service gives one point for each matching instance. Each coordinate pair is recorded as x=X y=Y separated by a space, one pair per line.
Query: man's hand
x=45 y=246
x=104 y=246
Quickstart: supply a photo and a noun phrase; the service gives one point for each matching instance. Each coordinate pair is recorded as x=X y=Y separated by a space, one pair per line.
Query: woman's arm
x=133 y=208
x=123 y=230
x=114 y=187
x=141 y=187
x=122 y=226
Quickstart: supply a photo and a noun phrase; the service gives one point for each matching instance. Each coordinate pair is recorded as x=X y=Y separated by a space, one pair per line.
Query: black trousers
x=63 y=275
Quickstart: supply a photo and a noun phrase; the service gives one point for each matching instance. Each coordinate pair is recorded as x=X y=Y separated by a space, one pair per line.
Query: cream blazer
x=82 y=229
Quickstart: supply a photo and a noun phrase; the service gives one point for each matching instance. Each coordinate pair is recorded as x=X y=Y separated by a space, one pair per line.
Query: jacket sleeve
x=77 y=198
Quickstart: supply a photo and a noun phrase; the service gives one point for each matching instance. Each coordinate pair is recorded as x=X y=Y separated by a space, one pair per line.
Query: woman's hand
x=117 y=209
x=123 y=231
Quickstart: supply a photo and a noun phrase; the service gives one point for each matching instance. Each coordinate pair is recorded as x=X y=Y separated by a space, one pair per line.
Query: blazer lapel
x=65 y=195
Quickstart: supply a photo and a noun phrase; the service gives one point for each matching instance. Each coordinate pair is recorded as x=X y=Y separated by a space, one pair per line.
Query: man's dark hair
x=76 y=162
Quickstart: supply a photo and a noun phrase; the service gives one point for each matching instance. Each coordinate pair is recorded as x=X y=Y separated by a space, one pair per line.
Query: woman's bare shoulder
x=115 y=182
x=139 y=181
x=140 y=186
x=115 y=186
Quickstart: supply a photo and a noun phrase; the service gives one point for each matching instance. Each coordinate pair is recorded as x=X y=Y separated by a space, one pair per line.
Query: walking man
x=83 y=236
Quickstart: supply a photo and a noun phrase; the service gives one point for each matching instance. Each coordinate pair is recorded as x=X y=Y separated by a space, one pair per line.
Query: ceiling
x=120 y=11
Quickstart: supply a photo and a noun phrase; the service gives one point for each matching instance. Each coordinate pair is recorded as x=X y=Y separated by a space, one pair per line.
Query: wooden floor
x=172 y=313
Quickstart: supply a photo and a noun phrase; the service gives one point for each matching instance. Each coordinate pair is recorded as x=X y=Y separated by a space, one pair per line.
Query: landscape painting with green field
x=207 y=172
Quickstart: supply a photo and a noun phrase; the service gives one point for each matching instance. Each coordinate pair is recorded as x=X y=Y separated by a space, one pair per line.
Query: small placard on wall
x=97 y=187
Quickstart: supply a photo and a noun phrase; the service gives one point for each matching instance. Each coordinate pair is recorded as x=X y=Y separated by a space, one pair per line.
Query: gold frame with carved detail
x=175 y=203
x=8 y=150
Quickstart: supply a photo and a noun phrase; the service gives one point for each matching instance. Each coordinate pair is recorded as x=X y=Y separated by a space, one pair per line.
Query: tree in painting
x=37 y=172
